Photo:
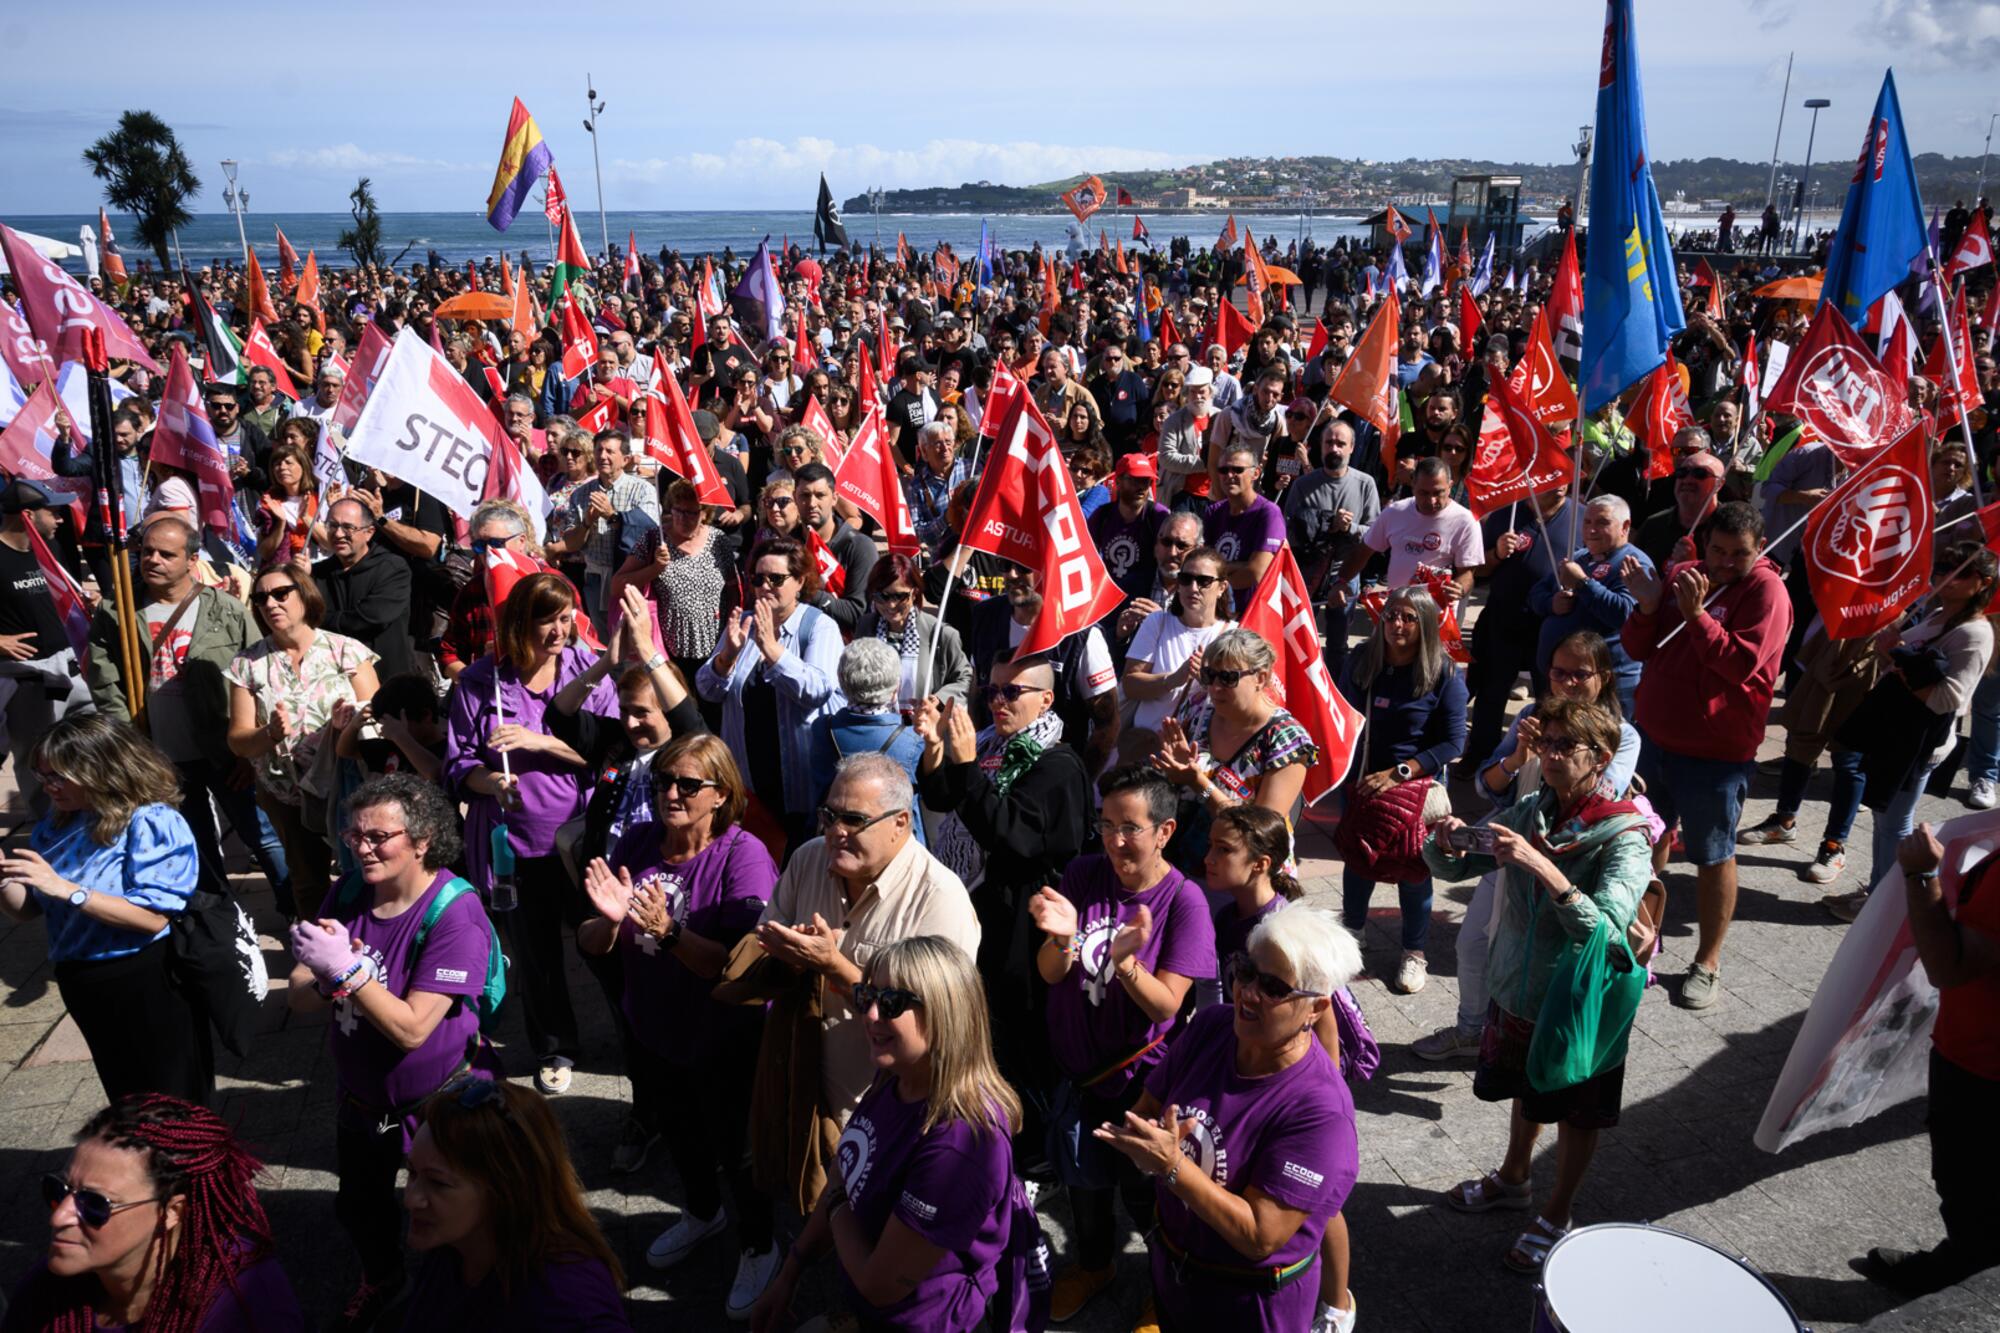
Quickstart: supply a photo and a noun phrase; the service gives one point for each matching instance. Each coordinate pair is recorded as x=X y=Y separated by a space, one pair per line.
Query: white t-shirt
x=1162 y=643
x=1448 y=541
x=1100 y=673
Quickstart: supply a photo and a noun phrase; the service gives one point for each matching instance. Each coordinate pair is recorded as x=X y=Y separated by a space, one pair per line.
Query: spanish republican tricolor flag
x=523 y=159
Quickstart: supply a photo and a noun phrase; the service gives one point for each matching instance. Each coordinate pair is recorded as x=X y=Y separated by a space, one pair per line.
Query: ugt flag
x=1868 y=545
x=1882 y=223
x=1631 y=300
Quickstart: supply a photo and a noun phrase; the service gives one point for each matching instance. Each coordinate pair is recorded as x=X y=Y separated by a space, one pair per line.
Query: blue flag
x=1631 y=300
x=985 y=255
x=1433 y=263
x=1882 y=222
x=1145 y=329
x=1396 y=274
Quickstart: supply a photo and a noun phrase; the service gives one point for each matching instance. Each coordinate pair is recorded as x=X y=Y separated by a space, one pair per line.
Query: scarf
x=1564 y=838
x=910 y=639
x=1019 y=752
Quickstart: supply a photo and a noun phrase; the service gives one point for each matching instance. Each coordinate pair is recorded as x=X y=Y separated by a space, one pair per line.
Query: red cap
x=1137 y=465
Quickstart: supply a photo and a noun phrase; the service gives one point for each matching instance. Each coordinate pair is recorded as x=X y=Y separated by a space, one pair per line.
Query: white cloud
x=1959 y=32
x=767 y=167
x=352 y=157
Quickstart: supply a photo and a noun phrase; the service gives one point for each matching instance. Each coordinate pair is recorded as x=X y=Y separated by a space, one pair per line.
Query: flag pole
x=1719 y=591
x=111 y=513
x=1951 y=366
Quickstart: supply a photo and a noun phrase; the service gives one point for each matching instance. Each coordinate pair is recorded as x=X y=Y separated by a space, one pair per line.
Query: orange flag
x=258 y=294
x=288 y=262
x=308 y=291
x=1256 y=278
x=1085 y=199
x=1367 y=383
x=524 y=312
x=506 y=277
x=1119 y=255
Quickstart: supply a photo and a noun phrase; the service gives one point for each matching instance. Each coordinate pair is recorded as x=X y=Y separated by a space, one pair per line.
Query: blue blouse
x=152 y=864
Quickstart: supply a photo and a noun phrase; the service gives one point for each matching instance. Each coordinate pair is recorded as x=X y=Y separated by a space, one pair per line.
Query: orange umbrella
x=476 y=305
x=1284 y=277
x=1791 y=289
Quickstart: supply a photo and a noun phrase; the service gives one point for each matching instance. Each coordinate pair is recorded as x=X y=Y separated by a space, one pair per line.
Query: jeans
x=1414 y=897
x=1848 y=782
x=1475 y=943
x=1893 y=823
x=1334 y=636
x=202 y=779
x=1982 y=755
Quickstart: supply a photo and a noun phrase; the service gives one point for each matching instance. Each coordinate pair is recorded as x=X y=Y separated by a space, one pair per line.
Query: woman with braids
x=498 y=1216
x=109 y=866
x=155 y=1225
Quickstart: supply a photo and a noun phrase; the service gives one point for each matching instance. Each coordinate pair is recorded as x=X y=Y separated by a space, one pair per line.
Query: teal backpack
x=495 y=989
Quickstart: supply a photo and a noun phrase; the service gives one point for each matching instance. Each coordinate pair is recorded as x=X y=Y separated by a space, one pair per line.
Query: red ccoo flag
x=804 y=357
x=579 y=340
x=1468 y=321
x=1281 y=612
x=1958 y=384
x=1868 y=545
x=1975 y=248
x=814 y=416
x=680 y=448
x=1515 y=457
x=868 y=477
x=1026 y=511
x=258 y=351
x=1367 y=383
x=832 y=574
x=1538 y=376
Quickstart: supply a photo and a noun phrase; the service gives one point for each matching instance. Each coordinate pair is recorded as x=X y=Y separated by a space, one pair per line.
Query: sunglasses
x=93 y=1210
x=851 y=821
x=887 y=1001
x=768 y=580
x=1564 y=676
x=1239 y=971
x=1197 y=581
x=1010 y=692
x=273 y=594
x=1236 y=471
x=900 y=597
x=1558 y=747
x=685 y=787
x=1218 y=676
x=1683 y=473
x=481 y=545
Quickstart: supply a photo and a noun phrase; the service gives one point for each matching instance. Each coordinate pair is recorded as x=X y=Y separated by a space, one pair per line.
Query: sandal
x=1489 y=1192
x=1531 y=1249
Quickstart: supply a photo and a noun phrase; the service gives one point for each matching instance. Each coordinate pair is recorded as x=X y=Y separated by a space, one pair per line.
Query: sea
x=457 y=237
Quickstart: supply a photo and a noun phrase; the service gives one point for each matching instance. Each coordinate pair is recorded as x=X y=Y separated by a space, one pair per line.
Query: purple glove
x=327 y=954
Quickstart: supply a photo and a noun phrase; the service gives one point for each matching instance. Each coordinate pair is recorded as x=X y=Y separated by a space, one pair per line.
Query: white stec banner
x=424 y=425
x=1865 y=1045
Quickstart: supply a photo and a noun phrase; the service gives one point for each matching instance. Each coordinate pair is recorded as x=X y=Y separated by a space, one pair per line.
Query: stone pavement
x=1682 y=1157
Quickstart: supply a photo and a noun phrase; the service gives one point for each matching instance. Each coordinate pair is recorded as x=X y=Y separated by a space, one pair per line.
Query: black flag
x=827 y=228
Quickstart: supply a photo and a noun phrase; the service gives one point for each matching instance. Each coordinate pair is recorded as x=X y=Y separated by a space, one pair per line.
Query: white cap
x=1198 y=376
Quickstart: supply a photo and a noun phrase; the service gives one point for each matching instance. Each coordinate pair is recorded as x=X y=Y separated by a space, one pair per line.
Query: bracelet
x=1125 y=974
x=1172 y=1173
x=344 y=985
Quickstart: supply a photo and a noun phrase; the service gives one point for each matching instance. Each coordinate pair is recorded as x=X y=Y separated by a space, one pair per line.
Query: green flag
x=1775 y=452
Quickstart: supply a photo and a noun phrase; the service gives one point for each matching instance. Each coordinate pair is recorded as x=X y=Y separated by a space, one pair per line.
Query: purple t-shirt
x=1232 y=929
x=1092 y=1021
x=1127 y=545
x=1258 y=530
x=1288 y=1134
x=262 y=1301
x=951 y=1186
x=719 y=893
x=372 y=1069
x=576 y=1294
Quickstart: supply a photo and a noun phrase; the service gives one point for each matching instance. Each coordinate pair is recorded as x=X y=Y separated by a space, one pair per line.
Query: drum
x=1627 y=1277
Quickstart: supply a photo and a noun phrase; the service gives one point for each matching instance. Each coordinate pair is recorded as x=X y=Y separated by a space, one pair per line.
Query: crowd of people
x=942 y=931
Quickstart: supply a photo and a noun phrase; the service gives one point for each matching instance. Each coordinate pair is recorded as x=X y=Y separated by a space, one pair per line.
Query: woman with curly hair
x=155 y=1224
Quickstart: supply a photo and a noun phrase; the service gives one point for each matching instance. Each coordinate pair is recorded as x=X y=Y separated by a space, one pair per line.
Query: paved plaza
x=1683 y=1157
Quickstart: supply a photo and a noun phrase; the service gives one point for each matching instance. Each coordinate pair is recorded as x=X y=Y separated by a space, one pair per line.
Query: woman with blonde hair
x=110 y=865
x=922 y=1208
x=498 y=1215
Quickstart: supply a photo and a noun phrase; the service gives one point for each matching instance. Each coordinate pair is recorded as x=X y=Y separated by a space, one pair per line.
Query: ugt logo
x=1871 y=540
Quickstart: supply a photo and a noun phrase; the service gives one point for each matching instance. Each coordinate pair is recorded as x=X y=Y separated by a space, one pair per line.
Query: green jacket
x=1610 y=861
x=222 y=629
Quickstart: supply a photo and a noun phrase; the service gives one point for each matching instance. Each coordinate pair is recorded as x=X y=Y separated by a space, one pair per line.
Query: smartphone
x=1473 y=838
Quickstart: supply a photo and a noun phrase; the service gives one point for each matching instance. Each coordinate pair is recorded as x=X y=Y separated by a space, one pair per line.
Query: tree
x=364 y=242
x=147 y=175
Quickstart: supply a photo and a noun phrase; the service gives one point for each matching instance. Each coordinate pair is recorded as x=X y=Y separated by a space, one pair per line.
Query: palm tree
x=364 y=242
x=147 y=175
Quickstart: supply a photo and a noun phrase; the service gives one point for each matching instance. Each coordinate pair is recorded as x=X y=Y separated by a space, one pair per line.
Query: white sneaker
x=1333 y=1319
x=1411 y=974
x=753 y=1273
x=677 y=1241
x=1985 y=795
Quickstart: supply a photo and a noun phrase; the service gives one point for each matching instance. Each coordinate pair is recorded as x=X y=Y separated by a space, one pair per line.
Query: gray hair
x=429 y=817
x=521 y=398
x=1430 y=665
x=873 y=766
x=1179 y=519
x=1613 y=505
x=501 y=511
x=1322 y=953
x=1691 y=437
x=936 y=430
x=869 y=672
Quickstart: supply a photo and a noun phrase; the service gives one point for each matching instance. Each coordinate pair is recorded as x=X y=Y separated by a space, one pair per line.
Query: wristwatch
x=79 y=898
x=656 y=661
x=673 y=935
x=1405 y=771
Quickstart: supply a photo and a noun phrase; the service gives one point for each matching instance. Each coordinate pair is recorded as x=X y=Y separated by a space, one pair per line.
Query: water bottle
x=505 y=896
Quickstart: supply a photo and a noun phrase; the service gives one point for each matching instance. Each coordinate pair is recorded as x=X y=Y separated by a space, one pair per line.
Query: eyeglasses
x=895 y=597
x=1559 y=747
x=685 y=787
x=46 y=777
x=373 y=839
x=1238 y=970
x=93 y=1210
x=1011 y=692
x=1219 y=676
x=691 y=515
x=766 y=579
x=887 y=1001
x=1200 y=582
x=1111 y=832
x=1564 y=676
x=572 y=453
x=266 y=595
x=851 y=821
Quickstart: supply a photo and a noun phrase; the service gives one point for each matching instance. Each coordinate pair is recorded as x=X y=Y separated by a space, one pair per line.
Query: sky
x=728 y=108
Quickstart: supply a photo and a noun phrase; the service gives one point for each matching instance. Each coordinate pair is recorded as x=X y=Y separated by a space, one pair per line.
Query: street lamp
x=237 y=202
x=1814 y=105
x=1985 y=153
x=596 y=109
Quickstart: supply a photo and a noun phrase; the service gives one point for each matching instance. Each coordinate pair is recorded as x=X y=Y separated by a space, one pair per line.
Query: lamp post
x=596 y=109
x=1814 y=105
x=1985 y=153
x=237 y=202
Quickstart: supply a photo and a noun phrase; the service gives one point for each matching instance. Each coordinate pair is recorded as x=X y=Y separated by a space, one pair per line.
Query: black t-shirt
x=721 y=366
x=909 y=413
x=26 y=606
x=430 y=583
x=737 y=483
